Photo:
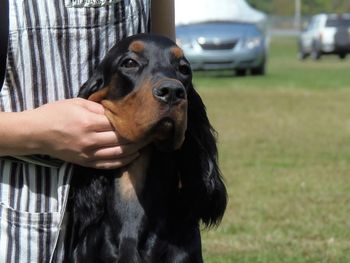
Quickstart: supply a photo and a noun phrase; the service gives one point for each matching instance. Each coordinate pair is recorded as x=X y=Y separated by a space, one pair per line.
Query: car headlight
x=253 y=42
x=184 y=42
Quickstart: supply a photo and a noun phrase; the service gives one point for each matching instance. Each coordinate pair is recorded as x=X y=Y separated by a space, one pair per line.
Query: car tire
x=302 y=55
x=342 y=55
x=241 y=72
x=260 y=70
x=315 y=53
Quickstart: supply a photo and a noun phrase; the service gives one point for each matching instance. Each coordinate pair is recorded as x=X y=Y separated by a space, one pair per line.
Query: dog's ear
x=93 y=88
x=202 y=185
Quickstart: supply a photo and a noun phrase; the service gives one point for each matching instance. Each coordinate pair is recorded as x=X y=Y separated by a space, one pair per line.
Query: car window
x=217 y=27
x=338 y=22
x=313 y=24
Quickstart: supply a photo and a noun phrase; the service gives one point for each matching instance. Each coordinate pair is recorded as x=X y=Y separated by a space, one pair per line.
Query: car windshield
x=338 y=22
x=221 y=27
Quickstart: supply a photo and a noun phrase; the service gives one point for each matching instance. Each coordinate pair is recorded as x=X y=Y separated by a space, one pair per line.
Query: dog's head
x=142 y=83
x=145 y=85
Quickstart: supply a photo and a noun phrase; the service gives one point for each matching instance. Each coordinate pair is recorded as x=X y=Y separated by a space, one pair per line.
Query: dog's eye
x=129 y=63
x=184 y=69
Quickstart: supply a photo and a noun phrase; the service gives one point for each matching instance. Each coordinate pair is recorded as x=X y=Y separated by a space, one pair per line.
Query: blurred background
x=275 y=77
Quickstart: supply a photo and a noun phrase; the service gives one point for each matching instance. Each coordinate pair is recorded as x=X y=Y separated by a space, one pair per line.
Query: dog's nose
x=170 y=93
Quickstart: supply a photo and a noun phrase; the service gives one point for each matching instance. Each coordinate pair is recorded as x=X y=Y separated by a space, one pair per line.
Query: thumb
x=92 y=106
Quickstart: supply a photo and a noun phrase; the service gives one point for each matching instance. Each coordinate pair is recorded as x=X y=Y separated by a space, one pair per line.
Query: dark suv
x=326 y=34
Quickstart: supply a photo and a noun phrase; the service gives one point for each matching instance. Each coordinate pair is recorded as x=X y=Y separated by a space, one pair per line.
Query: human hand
x=77 y=131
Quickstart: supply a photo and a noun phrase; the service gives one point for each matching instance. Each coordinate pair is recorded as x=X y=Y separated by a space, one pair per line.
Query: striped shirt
x=53 y=48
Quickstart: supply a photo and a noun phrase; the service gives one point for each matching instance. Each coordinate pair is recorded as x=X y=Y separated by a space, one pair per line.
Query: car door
x=308 y=35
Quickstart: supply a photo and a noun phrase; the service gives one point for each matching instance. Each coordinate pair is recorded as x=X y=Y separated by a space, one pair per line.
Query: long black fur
x=163 y=224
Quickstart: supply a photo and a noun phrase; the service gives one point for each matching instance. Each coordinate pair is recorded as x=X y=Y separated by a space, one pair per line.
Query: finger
x=96 y=115
x=119 y=151
x=90 y=105
x=106 y=139
x=100 y=123
x=113 y=163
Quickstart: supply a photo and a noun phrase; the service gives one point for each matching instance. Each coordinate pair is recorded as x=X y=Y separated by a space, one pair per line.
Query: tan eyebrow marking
x=177 y=52
x=137 y=46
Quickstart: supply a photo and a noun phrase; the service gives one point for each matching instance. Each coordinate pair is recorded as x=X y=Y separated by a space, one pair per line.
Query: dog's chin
x=167 y=136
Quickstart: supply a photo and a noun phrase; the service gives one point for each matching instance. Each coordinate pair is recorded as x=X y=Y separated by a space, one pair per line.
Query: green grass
x=284 y=142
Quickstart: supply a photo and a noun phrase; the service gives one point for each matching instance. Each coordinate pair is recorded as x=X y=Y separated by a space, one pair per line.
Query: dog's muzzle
x=170 y=92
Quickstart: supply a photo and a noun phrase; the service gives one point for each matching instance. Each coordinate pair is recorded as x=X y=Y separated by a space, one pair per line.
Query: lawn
x=284 y=142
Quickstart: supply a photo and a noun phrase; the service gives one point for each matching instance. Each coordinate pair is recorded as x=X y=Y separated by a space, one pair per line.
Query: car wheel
x=315 y=53
x=260 y=70
x=302 y=55
x=342 y=55
x=241 y=72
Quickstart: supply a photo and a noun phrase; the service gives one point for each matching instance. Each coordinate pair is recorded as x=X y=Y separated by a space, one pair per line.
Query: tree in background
x=309 y=7
x=263 y=5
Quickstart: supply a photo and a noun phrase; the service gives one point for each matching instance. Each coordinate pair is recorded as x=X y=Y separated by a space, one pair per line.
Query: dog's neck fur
x=132 y=179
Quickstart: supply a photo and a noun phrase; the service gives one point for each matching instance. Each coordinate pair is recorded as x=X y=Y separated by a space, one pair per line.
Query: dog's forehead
x=150 y=48
x=150 y=44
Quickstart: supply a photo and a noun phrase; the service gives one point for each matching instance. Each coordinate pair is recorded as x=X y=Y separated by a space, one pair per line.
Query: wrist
x=32 y=136
x=16 y=134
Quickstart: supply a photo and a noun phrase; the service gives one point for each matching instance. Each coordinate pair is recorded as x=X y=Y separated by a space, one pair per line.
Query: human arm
x=62 y=129
x=74 y=130
x=163 y=18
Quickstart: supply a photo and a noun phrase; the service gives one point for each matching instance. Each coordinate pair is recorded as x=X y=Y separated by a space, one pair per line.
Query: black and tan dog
x=149 y=211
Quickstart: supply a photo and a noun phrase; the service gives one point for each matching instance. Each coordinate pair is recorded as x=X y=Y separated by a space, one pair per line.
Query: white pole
x=297 y=15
